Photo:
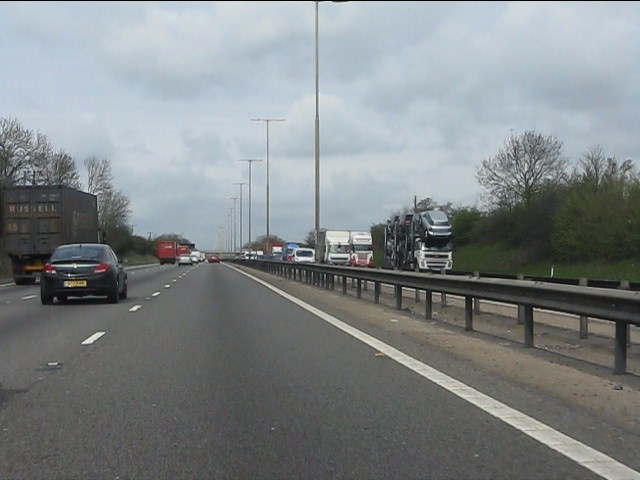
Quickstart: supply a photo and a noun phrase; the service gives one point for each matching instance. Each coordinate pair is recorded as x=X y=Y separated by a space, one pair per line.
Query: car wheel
x=45 y=298
x=114 y=296
x=124 y=293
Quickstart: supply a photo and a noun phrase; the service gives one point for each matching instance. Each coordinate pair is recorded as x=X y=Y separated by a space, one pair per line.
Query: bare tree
x=14 y=151
x=99 y=177
x=593 y=164
x=599 y=170
x=310 y=239
x=39 y=159
x=113 y=210
x=521 y=169
x=60 y=170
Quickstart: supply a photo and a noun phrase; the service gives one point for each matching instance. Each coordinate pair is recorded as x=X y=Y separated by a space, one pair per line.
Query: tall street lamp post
x=267 y=121
x=233 y=210
x=250 y=162
x=317 y=146
x=241 y=185
x=317 y=135
x=230 y=233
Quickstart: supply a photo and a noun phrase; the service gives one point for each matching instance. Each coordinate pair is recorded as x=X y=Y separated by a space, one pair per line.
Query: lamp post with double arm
x=267 y=121
x=250 y=161
x=241 y=185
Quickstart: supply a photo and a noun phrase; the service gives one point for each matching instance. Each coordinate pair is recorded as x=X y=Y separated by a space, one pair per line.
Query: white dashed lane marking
x=93 y=338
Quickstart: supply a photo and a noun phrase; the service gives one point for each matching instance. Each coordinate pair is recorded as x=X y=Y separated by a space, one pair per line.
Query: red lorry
x=166 y=252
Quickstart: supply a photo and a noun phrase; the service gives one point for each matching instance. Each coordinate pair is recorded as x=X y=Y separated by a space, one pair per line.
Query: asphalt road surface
x=219 y=372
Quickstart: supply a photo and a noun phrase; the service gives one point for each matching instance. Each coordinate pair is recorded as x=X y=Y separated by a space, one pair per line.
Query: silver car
x=185 y=259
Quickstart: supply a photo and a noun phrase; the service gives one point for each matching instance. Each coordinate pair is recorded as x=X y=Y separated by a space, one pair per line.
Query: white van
x=303 y=255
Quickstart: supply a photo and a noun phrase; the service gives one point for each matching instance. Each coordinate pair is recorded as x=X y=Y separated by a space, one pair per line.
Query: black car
x=83 y=269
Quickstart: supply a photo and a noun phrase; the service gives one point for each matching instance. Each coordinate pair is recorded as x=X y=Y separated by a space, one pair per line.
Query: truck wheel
x=416 y=267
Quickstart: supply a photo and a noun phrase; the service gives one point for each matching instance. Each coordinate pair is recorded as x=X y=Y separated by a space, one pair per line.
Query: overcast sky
x=412 y=97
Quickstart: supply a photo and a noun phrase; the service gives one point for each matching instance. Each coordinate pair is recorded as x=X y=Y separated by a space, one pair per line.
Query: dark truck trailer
x=36 y=219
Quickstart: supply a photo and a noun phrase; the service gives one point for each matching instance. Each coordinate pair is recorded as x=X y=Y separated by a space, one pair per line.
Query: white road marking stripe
x=155 y=294
x=168 y=285
x=28 y=297
x=579 y=452
x=93 y=338
x=135 y=308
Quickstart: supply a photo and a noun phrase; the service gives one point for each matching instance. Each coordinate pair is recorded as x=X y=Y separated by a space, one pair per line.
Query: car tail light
x=103 y=267
x=48 y=268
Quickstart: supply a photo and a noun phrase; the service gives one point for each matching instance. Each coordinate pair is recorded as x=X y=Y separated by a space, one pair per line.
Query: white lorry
x=361 y=249
x=333 y=247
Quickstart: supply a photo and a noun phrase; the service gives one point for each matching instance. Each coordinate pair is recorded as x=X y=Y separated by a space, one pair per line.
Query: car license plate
x=75 y=283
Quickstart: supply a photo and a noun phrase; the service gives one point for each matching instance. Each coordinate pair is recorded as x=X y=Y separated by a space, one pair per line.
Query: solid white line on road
x=93 y=338
x=28 y=297
x=135 y=308
x=155 y=294
x=579 y=452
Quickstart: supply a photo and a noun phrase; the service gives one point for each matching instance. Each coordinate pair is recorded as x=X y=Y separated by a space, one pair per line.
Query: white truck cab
x=334 y=247
x=361 y=249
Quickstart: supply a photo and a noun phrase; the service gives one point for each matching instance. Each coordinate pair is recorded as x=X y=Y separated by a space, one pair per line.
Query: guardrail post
x=584 y=321
x=359 y=289
x=521 y=313
x=476 y=301
x=332 y=281
x=376 y=292
x=344 y=285
x=417 y=295
x=428 y=305
x=621 y=348
x=468 y=314
x=528 y=325
x=398 y=291
x=624 y=285
x=443 y=295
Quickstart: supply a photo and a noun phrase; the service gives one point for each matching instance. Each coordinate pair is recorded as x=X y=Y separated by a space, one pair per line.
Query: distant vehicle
x=333 y=247
x=214 y=258
x=185 y=259
x=34 y=220
x=166 y=252
x=361 y=249
x=276 y=251
x=195 y=257
x=83 y=269
x=287 y=248
x=303 y=255
x=420 y=241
